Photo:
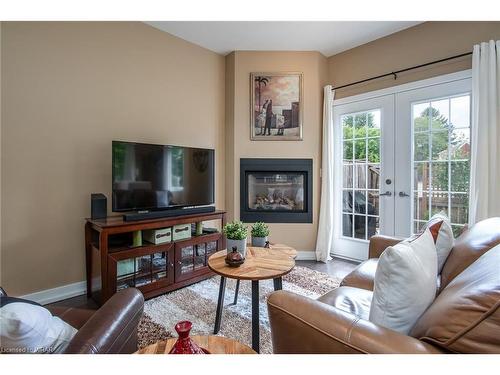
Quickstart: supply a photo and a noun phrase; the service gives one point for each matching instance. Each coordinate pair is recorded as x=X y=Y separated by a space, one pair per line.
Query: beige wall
x=68 y=89
x=314 y=67
x=414 y=46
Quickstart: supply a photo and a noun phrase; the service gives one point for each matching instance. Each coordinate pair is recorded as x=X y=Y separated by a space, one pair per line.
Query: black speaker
x=98 y=206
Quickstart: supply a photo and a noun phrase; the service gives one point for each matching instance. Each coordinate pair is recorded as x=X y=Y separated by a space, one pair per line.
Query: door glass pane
x=372 y=224
x=347 y=201
x=421 y=205
x=421 y=174
x=347 y=225
x=420 y=120
x=374 y=150
x=360 y=202
x=360 y=150
x=439 y=145
x=460 y=112
x=348 y=147
x=421 y=146
x=360 y=227
x=460 y=176
x=441 y=160
x=459 y=209
x=361 y=171
x=348 y=177
x=360 y=125
x=439 y=176
x=373 y=203
x=439 y=203
x=460 y=144
x=360 y=175
x=373 y=176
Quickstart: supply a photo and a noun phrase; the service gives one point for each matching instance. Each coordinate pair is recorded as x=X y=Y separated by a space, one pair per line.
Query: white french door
x=366 y=131
x=405 y=156
x=434 y=124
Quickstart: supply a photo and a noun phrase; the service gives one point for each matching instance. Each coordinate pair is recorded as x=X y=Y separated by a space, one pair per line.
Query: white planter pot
x=259 y=241
x=241 y=245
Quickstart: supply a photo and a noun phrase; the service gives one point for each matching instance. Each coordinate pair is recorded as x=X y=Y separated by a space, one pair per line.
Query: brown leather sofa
x=464 y=317
x=110 y=330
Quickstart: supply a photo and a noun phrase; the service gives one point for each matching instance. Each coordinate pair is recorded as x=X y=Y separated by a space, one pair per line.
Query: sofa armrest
x=113 y=328
x=379 y=243
x=303 y=325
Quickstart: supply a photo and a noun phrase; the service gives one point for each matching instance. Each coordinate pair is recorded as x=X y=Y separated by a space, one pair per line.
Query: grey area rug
x=197 y=303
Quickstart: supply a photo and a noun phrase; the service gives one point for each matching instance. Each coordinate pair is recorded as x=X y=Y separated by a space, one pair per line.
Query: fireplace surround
x=276 y=190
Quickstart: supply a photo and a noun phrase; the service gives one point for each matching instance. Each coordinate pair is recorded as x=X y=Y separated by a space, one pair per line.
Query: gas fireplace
x=276 y=190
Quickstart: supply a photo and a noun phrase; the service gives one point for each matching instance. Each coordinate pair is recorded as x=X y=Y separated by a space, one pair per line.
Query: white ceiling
x=327 y=37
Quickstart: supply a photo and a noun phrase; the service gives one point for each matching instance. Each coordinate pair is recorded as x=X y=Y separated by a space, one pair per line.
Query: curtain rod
x=395 y=74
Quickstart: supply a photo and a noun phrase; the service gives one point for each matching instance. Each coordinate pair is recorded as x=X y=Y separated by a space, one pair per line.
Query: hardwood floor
x=335 y=267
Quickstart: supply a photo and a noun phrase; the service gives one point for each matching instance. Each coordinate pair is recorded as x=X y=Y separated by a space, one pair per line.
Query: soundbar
x=136 y=216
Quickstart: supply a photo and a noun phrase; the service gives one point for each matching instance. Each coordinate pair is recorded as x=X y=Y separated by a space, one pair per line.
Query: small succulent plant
x=260 y=229
x=235 y=230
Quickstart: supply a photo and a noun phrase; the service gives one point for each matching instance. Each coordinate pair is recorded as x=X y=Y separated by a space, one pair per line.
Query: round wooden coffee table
x=214 y=344
x=260 y=264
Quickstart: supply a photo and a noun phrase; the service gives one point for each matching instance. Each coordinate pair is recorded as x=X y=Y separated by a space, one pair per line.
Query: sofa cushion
x=465 y=317
x=362 y=276
x=468 y=247
x=440 y=228
x=405 y=283
x=353 y=300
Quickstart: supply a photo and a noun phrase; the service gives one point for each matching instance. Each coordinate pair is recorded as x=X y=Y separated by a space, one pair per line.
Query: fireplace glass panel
x=276 y=191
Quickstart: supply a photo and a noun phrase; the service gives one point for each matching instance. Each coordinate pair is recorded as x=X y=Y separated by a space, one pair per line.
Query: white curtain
x=485 y=138
x=324 y=241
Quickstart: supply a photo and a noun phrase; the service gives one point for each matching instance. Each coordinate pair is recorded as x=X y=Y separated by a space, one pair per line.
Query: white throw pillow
x=405 y=283
x=28 y=328
x=440 y=228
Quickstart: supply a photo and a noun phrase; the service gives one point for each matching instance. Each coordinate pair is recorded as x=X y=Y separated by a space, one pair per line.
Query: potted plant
x=260 y=231
x=236 y=236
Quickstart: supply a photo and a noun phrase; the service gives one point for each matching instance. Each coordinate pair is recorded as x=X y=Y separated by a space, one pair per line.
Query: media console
x=113 y=264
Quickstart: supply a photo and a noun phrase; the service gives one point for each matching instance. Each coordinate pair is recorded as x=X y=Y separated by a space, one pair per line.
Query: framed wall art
x=276 y=106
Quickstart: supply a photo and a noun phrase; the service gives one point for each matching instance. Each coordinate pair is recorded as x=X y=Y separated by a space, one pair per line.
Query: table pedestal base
x=278 y=285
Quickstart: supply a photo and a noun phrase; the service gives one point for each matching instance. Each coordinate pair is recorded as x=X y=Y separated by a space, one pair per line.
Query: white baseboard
x=44 y=297
x=306 y=255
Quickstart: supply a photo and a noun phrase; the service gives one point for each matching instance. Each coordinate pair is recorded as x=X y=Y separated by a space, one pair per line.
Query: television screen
x=153 y=177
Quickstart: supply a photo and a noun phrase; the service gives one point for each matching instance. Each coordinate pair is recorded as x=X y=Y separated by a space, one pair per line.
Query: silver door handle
x=387 y=193
x=403 y=194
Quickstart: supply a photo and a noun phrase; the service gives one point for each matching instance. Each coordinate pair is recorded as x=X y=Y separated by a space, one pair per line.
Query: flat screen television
x=148 y=177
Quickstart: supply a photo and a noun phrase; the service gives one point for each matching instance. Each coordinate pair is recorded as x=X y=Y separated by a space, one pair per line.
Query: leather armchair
x=464 y=317
x=110 y=330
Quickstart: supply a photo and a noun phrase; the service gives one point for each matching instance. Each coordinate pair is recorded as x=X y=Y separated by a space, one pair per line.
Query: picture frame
x=276 y=106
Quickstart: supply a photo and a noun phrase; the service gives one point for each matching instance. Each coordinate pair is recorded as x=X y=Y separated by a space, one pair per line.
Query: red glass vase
x=184 y=344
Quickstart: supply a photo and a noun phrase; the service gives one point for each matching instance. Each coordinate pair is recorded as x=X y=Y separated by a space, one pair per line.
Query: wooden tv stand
x=113 y=264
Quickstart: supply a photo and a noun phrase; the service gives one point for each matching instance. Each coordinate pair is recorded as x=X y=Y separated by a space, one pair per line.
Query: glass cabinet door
x=191 y=257
x=145 y=271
